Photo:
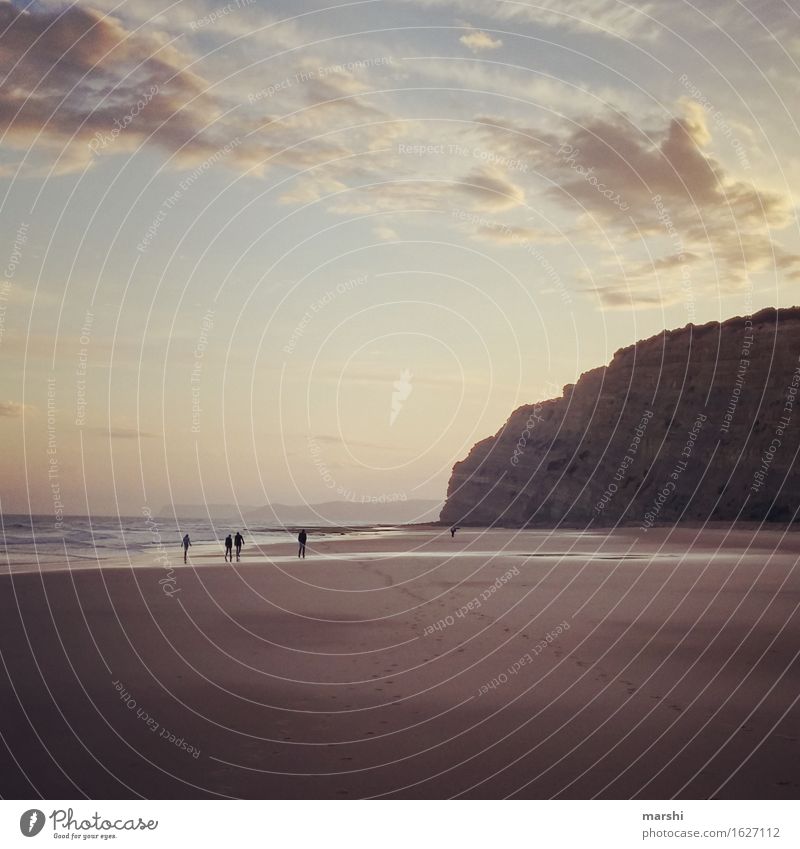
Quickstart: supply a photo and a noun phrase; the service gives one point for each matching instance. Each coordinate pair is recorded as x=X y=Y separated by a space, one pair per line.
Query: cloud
x=379 y=376
x=79 y=85
x=605 y=16
x=483 y=189
x=512 y=234
x=663 y=186
x=491 y=189
x=659 y=282
x=479 y=41
x=210 y=19
x=12 y=409
x=349 y=443
x=74 y=79
x=555 y=97
x=310 y=187
x=122 y=433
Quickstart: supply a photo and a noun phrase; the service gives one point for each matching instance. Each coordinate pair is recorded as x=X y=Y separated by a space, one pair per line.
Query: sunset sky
x=283 y=251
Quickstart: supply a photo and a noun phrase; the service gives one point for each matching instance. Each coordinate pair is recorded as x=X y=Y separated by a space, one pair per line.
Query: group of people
x=230 y=542
x=237 y=542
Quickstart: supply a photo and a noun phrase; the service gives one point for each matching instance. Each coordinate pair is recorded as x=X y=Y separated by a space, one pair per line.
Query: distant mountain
x=701 y=423
x=326 y=513
x=203 y=511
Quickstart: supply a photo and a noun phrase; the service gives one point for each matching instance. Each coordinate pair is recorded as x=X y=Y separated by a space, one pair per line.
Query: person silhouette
x=186 y=543
x=229 y=548
x=238 y=541
x=301 y=538
x=453 y=531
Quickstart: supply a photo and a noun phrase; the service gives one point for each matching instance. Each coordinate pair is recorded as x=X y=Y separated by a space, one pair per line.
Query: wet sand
x=409 y=664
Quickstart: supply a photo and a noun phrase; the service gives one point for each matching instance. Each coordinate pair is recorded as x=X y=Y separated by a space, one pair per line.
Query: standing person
x=453 y=532
x=186 y=543
x=229 y=548
x=301 y=538
x=238 y=541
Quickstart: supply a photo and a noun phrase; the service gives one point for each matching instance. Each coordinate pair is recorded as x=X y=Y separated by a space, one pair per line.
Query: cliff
x=700 y=423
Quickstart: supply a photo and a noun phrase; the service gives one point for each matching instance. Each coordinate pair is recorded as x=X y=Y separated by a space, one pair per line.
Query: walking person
x=186 y=543
x=453 y=532
x=301 y=538
x=229 y=548
x=238 y=541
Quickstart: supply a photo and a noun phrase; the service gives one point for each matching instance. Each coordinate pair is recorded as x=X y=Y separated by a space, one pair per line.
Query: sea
x=32 y=539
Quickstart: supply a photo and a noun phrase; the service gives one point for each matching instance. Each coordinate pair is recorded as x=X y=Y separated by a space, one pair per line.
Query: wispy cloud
x=609 y=17
x=116 y=432
x=326 y=439
x=482 y=189
x=480 y=42
x=386 y=234
x=12 y=409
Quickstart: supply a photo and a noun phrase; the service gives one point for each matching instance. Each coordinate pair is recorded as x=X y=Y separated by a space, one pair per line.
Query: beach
x=404 y=663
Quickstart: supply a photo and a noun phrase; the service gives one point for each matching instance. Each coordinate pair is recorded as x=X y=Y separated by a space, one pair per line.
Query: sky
x=293 y=252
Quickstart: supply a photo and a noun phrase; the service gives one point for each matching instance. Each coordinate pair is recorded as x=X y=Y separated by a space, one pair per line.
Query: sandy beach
x=406 y=664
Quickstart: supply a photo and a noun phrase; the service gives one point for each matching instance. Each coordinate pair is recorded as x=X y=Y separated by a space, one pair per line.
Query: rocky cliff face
x=701 y=423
